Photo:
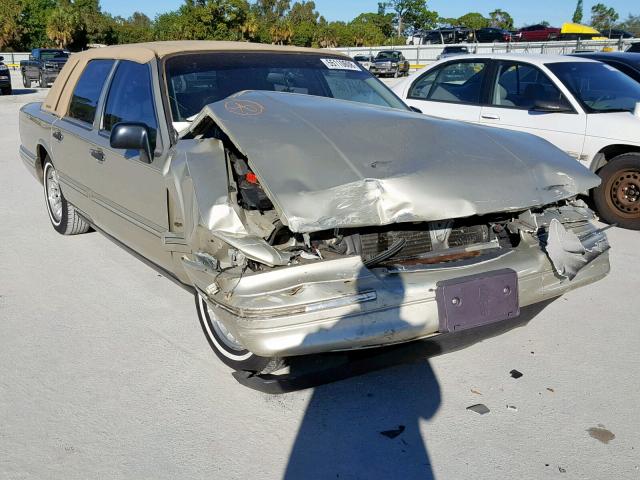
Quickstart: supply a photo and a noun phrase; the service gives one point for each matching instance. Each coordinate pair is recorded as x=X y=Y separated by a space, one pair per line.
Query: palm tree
x=62 y=25
x=250 y=27
x=281 y=32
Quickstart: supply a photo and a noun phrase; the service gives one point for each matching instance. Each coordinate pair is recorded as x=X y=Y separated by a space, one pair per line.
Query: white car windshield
x=598 y=87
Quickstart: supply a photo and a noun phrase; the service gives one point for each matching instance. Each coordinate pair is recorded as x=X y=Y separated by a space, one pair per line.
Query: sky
x=523 y=11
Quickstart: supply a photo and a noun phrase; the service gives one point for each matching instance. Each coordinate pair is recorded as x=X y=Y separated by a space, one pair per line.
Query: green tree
x=603 y=18
x=405 y=10
x=501 y=19
x=579 y=13
x=473 y=21
x=62 y=25
x=34 y=22
x=10 y=28
x=632 y=24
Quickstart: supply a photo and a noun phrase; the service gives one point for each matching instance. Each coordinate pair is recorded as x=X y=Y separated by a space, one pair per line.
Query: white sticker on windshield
x=338 y=64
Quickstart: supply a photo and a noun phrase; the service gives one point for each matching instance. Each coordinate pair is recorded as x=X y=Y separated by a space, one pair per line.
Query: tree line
x=77 y=24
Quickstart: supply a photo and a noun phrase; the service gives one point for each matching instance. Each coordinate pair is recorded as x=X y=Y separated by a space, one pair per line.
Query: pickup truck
x=43 y=66
x=268 y=182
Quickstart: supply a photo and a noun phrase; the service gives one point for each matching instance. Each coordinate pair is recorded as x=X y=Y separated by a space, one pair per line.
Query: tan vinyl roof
x=57 y=101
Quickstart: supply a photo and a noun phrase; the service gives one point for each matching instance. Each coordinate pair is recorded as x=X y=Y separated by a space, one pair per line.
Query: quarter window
x=520 y=85
x=459 y=82
x=86 y=94
x=130 y=99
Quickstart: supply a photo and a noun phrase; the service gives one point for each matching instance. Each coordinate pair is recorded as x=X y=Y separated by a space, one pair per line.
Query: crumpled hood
x=328 y=163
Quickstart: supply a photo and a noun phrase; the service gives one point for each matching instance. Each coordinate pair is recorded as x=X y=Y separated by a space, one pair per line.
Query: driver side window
x=458 y=82
x=130 y=99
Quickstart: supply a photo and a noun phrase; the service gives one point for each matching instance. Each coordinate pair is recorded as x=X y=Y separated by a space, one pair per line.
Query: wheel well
x=41 y=153
x=610 y=152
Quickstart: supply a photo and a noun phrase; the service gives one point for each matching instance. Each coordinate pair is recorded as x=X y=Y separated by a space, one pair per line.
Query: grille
x=418 y=242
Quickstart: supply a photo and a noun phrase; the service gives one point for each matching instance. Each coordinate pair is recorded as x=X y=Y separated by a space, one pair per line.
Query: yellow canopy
x=576 y=28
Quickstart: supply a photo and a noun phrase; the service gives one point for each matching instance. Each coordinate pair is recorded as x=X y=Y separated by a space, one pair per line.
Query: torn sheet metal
x=570 y=253
x=328 y=163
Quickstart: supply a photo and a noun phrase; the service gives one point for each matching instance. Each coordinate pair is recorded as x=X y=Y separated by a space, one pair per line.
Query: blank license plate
x=476 y=300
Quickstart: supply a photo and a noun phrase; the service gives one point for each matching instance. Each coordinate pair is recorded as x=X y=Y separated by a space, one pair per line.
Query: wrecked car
x=305 y=206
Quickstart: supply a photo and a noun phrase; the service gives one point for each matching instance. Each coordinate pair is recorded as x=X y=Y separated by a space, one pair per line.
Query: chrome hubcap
x=54 y=196
x=224 y=334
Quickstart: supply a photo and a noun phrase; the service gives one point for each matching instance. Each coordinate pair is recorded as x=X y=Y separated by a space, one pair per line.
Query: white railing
x=425 y=54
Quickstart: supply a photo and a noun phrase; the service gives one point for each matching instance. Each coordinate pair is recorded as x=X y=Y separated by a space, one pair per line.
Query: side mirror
x=132 y=136
x=1 y=58
x=549 y=106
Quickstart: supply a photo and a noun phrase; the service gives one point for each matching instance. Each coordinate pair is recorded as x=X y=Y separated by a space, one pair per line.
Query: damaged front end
x=285 y=280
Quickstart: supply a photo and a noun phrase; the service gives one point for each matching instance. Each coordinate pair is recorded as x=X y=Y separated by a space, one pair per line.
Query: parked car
x=584 y=107
x=365 y=60
x=628 y=63
x=453 y=51
x=617 y=33
x=634 y=48
x=5 y=78
x=302 y=223
x=491 y=34
x=43 y=66
x=390 y=63
x=538 y=33
x=447 y=35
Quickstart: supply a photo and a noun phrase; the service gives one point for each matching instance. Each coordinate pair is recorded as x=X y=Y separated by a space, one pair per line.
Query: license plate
x=476 y=300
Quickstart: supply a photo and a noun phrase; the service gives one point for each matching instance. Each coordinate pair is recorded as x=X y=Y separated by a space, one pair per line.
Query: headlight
x=394 y=64
x=3 y=67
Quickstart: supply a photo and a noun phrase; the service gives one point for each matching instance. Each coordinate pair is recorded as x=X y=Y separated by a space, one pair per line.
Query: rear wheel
x=6 y=91
x=25 y=81
x=64 y=217
x=226 y=346
x=617 y=199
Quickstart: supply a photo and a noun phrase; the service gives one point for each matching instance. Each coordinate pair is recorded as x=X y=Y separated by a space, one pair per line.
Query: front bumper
x=383 y=70
x=341 y=305
x=5 y=81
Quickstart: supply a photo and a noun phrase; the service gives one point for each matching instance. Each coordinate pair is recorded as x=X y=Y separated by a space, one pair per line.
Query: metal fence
x=419 y=55
x=12 y=59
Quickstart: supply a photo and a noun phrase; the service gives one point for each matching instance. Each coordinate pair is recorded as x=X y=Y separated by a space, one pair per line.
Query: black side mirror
x=132 y=136
x=549 y=106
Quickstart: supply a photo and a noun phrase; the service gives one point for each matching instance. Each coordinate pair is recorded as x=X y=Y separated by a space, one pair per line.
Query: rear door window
x=86 y=94
x=519 y=85
x=130 y=99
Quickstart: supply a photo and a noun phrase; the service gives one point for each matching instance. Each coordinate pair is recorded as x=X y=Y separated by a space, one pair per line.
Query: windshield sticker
x=243 y=108
x=338 y=64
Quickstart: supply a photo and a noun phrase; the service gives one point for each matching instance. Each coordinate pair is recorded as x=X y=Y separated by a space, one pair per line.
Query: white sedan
x=588 y=109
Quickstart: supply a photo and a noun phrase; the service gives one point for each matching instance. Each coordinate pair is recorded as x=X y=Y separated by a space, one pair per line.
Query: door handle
x=490 y=116
x=57 y=134
x=97 y=154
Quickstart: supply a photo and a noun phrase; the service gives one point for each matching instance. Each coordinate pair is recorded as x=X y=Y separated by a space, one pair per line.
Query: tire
x=64 y=217
x=26 y=81
x=396 y=74
x=617 y=199
x=226 y=348
x=7 y=91
x=41 y=82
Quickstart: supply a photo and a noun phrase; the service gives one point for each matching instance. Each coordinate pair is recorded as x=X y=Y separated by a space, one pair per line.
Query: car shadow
x=370 y=427
x=23 y=91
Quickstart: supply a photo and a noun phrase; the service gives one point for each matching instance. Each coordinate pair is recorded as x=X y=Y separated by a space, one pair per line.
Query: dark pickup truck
x=43 y=66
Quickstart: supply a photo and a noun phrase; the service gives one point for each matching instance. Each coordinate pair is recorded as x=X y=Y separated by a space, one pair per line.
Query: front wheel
x=617 y=199
x=26 y=81
x=42 y=82
x=64 y=217
x=6 y=91
x=225 y=345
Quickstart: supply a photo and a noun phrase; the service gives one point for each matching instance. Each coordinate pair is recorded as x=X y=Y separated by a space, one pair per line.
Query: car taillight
x=506 y=38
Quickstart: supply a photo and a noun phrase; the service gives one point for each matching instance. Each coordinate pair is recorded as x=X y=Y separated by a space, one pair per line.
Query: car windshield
x=50 y=54
x=195 y=80
x=456 y=49
x=599 y=87
x=387 y=55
